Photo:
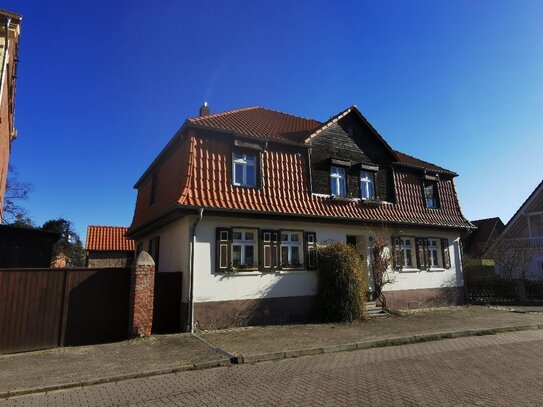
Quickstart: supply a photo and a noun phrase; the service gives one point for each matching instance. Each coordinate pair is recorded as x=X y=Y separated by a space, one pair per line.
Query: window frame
x=336 y=178
x=403 y=253
x=367 y=183
x=243 y=244
x=428 y=183
x=246 y=164
x=288 y=245
x=438 y=252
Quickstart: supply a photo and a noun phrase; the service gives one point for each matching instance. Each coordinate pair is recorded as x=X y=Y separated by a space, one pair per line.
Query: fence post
x=142 y=287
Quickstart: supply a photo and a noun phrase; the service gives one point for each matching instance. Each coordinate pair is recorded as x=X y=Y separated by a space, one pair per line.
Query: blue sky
x=102 y=86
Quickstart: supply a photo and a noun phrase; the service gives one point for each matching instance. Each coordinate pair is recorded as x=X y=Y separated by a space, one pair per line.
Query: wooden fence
x=46 y=308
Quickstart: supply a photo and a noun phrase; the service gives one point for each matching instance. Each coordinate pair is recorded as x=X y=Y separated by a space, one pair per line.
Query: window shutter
x=422 y=253
x=396 y=252
x=445 y=253
x=310 y=239
x=268 y=243
x=223 y=249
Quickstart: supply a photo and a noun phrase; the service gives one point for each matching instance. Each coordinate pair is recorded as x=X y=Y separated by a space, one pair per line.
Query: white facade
x=212 y=286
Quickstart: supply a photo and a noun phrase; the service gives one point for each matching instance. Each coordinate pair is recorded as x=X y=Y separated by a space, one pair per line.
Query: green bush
x=342 y=284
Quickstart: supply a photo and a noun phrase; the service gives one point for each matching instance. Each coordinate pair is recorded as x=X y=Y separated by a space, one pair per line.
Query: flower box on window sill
x=343 y=198
x=372 y=202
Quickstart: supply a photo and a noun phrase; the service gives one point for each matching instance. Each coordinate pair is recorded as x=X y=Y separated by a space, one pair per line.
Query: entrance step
x=373 y=310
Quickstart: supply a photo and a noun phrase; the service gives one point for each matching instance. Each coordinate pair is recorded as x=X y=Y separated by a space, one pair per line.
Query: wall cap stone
x=145 y=259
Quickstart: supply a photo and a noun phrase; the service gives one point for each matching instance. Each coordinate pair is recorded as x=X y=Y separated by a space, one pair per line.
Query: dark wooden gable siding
x=363 y=147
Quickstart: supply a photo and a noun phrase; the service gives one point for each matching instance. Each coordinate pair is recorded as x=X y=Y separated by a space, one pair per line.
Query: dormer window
x=337 y=182
x=367 y=185
x=244 y=170
x=430 y=194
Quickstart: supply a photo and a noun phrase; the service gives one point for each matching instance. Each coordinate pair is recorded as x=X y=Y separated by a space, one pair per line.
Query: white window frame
x=403 y=252
x=367 y=185
x=247 y=164
x=434 y=245
x=337 y=176
x=289 y=244
x=243 y=243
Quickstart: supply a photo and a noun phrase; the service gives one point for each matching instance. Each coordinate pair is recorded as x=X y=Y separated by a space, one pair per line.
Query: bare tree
x=512 y=257
x=380 y=263
x=16 y=191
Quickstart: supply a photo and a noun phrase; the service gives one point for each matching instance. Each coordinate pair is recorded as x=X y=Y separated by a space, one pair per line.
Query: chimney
x=204 y=110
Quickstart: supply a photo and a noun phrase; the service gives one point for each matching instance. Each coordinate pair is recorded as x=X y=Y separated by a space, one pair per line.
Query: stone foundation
x=425 y=298
x=265 y=311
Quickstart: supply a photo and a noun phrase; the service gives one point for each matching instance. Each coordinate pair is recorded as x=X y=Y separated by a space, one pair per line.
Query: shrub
x=342 y=284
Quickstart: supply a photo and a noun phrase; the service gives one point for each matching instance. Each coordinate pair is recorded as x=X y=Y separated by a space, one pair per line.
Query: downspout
x=191 y=269
x=4 y=59
x=310 y=175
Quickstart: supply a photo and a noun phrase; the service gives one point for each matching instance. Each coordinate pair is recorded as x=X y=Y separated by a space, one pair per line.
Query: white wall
x=211 y=286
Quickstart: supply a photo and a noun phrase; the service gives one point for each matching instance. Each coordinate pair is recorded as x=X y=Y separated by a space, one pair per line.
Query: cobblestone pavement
x=497 y=370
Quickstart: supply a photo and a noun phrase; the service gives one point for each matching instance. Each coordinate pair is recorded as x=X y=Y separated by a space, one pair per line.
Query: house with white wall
x=238 y=202
x=522 y=240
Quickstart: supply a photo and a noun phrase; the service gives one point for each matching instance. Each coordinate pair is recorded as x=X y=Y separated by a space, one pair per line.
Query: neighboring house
x=239 y=200
x=479 y=240
x=107 y=246
x=26 y=247
x=523 y=238
x=10 y=26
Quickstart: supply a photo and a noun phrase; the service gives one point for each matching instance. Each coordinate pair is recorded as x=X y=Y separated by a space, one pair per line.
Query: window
x=433 y=253
x=244 y=253
x=367 y=185
x=244 y=170
x=430 y=194
x=291 y=250
x=337 y=181
x=406 y=252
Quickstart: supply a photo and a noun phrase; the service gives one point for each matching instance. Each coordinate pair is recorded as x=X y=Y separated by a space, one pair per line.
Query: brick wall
x=106 y=259
x=142 y=287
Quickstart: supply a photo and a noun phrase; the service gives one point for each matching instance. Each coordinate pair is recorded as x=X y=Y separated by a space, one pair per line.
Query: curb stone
x=271 y=356
x=116 y=378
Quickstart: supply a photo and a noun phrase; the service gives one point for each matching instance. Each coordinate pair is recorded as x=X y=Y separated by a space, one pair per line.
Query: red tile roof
x=259 y=122
x=286 y=189
x=108 y=238
x=416 y=163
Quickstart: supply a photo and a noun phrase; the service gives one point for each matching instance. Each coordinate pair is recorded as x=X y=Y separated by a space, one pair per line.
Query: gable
x=518 y=224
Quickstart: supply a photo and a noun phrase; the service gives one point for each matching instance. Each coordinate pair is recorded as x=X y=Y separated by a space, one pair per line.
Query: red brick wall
x=142 y=288
x=4 y=146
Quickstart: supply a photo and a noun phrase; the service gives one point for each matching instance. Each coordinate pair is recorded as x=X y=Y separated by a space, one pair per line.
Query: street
x=494 y=370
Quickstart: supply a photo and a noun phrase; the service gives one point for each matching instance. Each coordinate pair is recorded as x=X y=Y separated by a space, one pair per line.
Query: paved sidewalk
x=100 y=363
x=263 y=340
x=68 y=367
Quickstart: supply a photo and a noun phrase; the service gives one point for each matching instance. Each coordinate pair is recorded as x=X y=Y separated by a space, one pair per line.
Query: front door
x=360 y=243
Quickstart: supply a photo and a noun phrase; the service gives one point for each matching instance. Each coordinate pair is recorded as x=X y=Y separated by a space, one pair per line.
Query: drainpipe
x=4 y=60
x=310 y=175
x=191 y=269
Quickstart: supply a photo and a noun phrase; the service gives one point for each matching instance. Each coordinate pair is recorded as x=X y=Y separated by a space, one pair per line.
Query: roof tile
x=108 y=238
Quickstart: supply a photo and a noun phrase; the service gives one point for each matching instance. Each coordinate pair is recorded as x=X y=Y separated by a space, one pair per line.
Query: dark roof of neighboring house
x=487 y=229
x=108 y=238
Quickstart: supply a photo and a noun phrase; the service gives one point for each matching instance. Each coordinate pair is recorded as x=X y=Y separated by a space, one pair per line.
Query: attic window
x=367 y=185
x=430 y=194
x=244 y=170
x=337 y=182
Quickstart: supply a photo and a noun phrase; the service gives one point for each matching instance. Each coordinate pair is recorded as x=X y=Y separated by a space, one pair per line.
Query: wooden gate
x=46 y=308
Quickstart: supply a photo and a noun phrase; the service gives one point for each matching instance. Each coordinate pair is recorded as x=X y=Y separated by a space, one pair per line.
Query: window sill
x=343 y=198
x=292 y=271
x=246 y=186
x=438 y=269
x=255 y=273
x=372 y=202
x=409 y=270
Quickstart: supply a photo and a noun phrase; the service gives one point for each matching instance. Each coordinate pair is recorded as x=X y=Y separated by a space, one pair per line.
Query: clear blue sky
x=102 y=87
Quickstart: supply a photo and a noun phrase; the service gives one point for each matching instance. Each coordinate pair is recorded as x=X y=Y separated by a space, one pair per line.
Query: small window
x=337 y=181
x=430 y=194
x=367 y=185
x=434 y=255
x=244 y=170
x=291 y=250
x=244 y=253
x=406 y=252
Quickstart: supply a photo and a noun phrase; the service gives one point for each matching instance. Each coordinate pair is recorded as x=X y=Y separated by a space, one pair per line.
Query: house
x=238 y=201
x=521 y=242
x=26 y=247
x=108 y=246
x=10 y=27
x=478 y=241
